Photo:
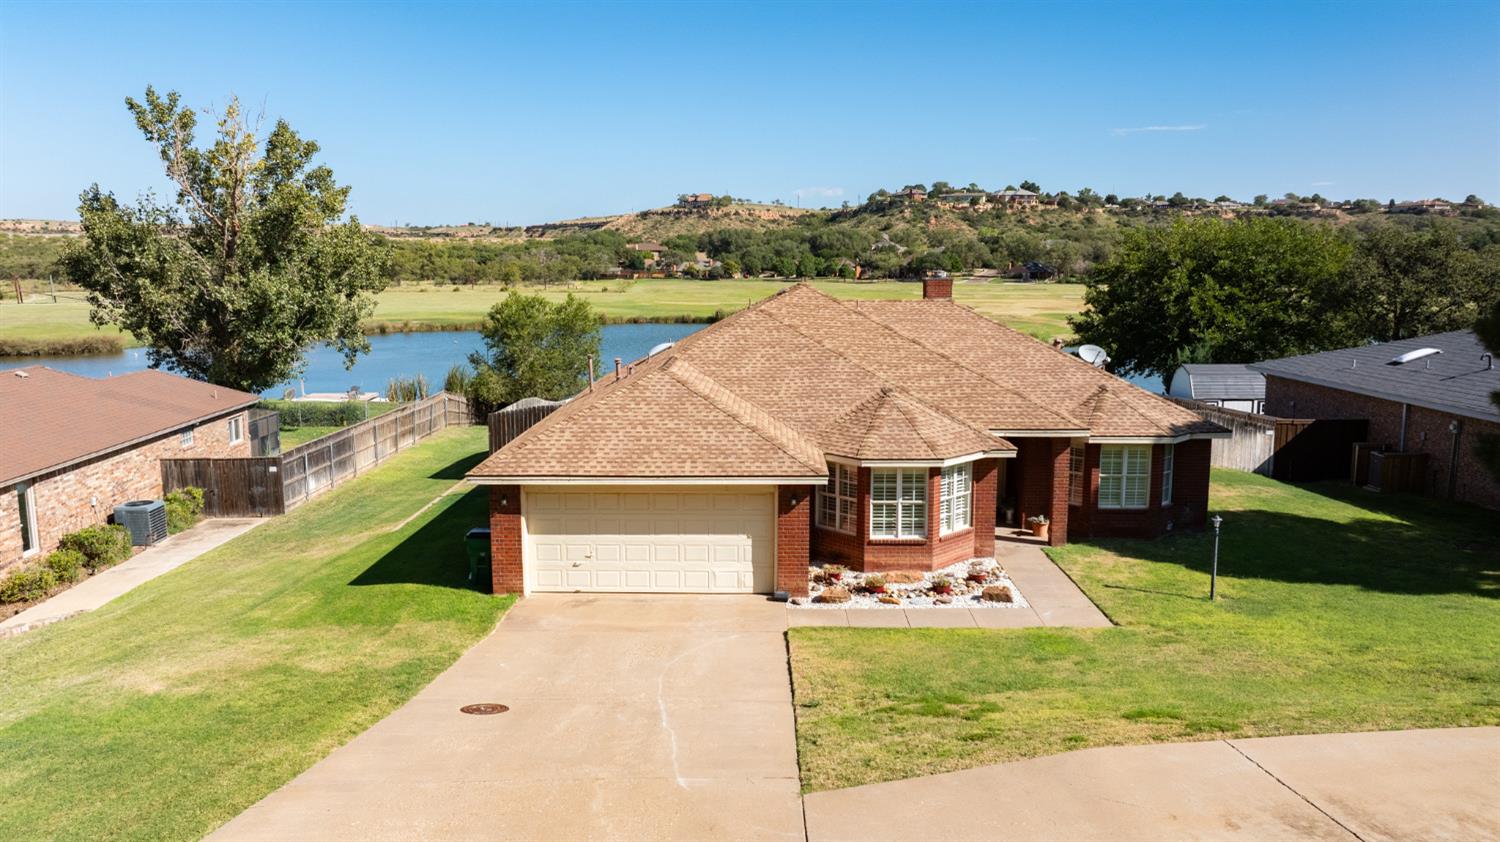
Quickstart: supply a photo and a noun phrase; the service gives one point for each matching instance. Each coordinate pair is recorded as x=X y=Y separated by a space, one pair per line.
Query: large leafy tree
x=252 y=263
x=1208 y=290
x=535 y=348
x=1413 y=282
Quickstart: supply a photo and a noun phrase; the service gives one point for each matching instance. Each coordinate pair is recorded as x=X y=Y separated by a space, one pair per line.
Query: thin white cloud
x=1195 y=127
x=821 y=192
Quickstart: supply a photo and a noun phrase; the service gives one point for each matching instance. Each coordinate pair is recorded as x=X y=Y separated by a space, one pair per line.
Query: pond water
x=392 y=355
x=408 y=354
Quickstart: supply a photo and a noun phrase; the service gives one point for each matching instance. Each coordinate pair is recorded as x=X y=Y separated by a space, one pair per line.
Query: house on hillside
x=1230 y=386
x=883 y=435
x=1432 y=206
x=964 y=200
x=72 y=448
x=695 y=201
x=912 y=194
x=1015 y=198
x=1429 y=396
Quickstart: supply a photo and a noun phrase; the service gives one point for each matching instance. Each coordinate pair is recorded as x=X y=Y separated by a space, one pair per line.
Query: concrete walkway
x=144 y=566
x=1053 y=601
x=1393 y=785
x=631 y=717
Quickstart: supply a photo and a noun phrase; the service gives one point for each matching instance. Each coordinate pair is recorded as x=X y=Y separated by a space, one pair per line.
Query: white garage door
x=713 y=540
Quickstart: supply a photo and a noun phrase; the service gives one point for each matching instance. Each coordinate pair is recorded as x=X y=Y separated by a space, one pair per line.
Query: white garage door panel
x=691 y=541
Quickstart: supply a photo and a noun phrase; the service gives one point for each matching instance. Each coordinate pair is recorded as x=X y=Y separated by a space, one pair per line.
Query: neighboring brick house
x=880 y=434
x=1437 y=402
x=71 y=447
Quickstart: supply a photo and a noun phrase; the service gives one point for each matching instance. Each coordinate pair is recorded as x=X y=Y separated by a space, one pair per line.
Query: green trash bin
x=477 y=544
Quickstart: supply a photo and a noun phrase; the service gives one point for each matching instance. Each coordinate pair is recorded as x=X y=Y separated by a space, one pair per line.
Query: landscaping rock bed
x=977 y=583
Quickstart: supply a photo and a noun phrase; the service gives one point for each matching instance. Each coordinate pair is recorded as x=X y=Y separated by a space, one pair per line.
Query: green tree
x=1410 y=282
x=1222 y=290
x=250 y=267
x=1032 y=186
x=535 y=348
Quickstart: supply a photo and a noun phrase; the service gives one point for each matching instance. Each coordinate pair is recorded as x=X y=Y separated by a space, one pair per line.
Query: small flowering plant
x=941 y=586
x=875 y=585
x=833 y=572
x=977 y=575
x=1038 y=520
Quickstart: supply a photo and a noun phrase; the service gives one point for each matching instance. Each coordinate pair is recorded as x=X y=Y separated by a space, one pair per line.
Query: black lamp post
x=1213 y=577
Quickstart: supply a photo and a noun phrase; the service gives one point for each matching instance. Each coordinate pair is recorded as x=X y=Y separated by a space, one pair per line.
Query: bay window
x=1124 y=476
x=836 y=499
x=898 y=503
x=956 y=499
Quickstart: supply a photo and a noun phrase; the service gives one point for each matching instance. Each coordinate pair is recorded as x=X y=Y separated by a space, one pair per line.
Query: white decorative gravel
x=965 y=593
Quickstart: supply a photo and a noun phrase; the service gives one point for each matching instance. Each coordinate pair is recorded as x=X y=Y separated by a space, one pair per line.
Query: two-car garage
x=665 y=539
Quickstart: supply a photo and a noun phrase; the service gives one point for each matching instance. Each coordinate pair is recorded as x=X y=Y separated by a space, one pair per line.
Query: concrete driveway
x=631 y=717
x=1393 y=785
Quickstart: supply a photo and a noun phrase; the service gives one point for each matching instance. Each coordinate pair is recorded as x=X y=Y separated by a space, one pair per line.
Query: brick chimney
x=937 y=287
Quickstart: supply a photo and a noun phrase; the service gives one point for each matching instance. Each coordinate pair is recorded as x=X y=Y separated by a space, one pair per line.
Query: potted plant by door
x=1040 y=526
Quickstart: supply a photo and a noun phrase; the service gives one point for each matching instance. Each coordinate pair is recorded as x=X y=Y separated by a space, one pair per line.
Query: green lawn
x=1038 y=309
x=175 y=707
x=293 y=436
x=1340 y=610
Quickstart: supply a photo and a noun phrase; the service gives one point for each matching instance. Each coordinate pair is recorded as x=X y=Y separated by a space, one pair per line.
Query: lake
x=391 y=355
x=408 y=354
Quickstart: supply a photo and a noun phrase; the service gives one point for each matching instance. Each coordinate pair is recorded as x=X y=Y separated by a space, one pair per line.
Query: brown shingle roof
x=771 y=389
x=891 y=426
x=49 y=419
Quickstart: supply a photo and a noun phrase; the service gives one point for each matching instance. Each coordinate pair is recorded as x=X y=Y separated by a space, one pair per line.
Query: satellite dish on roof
x=1093 y=355
x=657 y=349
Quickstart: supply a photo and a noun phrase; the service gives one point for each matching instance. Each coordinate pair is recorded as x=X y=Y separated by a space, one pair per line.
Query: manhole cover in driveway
x=484 y=709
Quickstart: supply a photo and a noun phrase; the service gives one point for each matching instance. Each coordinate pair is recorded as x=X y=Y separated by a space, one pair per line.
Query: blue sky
x=515 y=114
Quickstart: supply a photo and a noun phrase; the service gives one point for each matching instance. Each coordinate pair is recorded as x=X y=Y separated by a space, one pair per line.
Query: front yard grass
x=172 y=709
x=1340 y=610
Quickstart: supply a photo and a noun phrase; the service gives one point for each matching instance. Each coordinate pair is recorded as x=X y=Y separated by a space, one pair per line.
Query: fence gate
x=249 y=487
x=1310 y=450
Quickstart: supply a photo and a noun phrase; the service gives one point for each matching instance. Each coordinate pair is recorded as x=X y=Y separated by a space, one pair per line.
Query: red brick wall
x=506 y=572
x=1188 y=509
x=793 y=537
x=1042 y=466
x=1427 y=431
x=85 y=494
x=860 y=552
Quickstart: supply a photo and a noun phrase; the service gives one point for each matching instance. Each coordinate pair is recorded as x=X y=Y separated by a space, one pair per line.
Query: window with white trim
x=956 y=498
x=26 y=503
x=1168 y=460
x=186 y=438
x=836 y=499
x=1124 y=476
x=898 y=503
x=1075 y=475
x=236 y=430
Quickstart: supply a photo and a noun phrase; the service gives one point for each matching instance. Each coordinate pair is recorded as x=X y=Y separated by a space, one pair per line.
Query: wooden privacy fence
x=249 y=487
x=274 y=484
x=329 y=460
x=1290 y=449
x=1308 y=450
x=506 y=424
x=1252 y=442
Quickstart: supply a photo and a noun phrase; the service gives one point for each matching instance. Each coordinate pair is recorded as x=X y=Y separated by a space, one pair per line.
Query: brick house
x=72 y=448
x=1430 y=394
x=879 y=434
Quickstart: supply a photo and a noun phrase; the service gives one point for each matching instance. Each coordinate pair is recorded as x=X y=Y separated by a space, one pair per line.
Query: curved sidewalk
x=1439 y=784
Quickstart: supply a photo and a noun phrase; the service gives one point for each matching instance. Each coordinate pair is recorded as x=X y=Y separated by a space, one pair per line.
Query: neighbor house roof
x=1224 y=381
x=51 y=419
x=774 y=389
x=1459 y=380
